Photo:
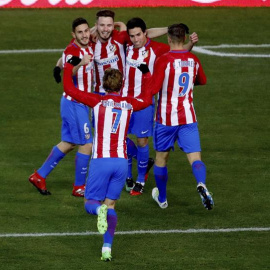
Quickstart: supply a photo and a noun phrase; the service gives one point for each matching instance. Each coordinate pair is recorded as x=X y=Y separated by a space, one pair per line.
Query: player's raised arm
x=120 y=26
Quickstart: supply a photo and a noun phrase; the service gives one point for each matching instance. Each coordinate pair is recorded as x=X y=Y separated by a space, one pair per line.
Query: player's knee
x=142 y=142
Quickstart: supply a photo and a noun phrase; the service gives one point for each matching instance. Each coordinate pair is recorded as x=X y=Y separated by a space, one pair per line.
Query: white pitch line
x=31 y=51
x=199 y=49
x=236 y=46
x=189 y=231
x=223 y=54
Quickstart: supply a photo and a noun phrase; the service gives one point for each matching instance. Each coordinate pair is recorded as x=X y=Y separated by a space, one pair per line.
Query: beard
x=105 y=36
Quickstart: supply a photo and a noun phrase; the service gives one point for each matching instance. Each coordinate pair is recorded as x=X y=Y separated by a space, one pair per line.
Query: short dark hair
x=112 y=80
x=78 y=22
x=136 y=22
x=177 y=32
x=105 y=13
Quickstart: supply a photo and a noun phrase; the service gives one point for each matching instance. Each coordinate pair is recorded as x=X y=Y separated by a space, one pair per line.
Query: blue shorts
x=187 y=136
x=76 y=126
x=141 y=122
x=106 y=178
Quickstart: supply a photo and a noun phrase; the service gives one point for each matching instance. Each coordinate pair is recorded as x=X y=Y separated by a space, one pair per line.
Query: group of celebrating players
x=116 y=70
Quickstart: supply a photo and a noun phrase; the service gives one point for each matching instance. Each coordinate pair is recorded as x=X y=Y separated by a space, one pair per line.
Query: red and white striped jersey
x=112 y=113
x=83 y=79
x=136 y=56
x=110 y=54
x=175 y=75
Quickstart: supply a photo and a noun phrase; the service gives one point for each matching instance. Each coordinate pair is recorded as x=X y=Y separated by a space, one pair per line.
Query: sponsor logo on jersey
x=133 y=63
x=107 y=61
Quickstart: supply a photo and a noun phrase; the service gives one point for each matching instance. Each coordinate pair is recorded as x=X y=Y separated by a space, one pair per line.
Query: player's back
x=112 y=115
x=180 y=70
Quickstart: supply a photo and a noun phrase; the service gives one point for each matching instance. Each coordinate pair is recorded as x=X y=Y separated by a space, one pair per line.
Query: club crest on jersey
x=87 y=136
x=145 y=54
x=112 y=48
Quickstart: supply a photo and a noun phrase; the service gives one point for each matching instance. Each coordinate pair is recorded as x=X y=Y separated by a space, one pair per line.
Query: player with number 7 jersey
x=112 y=113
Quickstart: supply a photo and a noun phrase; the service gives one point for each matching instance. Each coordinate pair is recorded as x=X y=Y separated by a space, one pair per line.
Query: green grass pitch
x=233 y=113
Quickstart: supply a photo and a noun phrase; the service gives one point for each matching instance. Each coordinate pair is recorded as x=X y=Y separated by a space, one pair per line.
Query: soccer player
x=175 y=75
x=76 y=129
x=110 y=46
x=141 y=50
x=108 y=166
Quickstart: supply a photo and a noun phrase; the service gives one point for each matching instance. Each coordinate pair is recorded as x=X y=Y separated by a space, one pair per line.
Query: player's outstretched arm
x=156 y=32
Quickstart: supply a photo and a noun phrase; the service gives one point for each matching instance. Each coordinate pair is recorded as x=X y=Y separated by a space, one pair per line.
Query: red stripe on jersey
x=169 y=98
x=114 y=139
x=100 y=130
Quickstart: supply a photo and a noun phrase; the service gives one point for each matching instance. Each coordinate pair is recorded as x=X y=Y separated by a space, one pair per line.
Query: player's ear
x=73 y=34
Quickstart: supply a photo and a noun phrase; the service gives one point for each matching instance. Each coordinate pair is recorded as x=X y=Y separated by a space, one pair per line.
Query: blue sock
x=50 y=163
x=199 y=171
x=142 y=162
x=81 y=165
x=161 y=177
x=91 y=206
x=131 y=148
x=129 y=175
x=112 y=222
x=132 y=153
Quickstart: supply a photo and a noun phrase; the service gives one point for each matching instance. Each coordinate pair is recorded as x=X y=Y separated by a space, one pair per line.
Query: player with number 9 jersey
x=176 y=73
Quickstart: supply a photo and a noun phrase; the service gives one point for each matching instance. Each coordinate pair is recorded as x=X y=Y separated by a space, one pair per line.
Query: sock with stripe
x=142 y=162
x=132 y=153
x=161 y=177
x=199 y=171
x=112 y=222
x=81 y=165
x=92 y=206
x=51 y=162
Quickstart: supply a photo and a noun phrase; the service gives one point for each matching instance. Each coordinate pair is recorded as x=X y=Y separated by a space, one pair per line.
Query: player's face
x=82 y=35
x=105 y=26
x=137 y=37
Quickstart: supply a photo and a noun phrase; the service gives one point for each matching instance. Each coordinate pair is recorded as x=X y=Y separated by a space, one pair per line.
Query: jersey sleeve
x=162 y=48
x=89 y=99
x=121 y=37
x=69 y=52
x=140 y=103
x=156 y=80
x=201 y=77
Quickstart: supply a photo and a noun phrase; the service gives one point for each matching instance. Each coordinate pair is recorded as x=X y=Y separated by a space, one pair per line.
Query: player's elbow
x=201 y=81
